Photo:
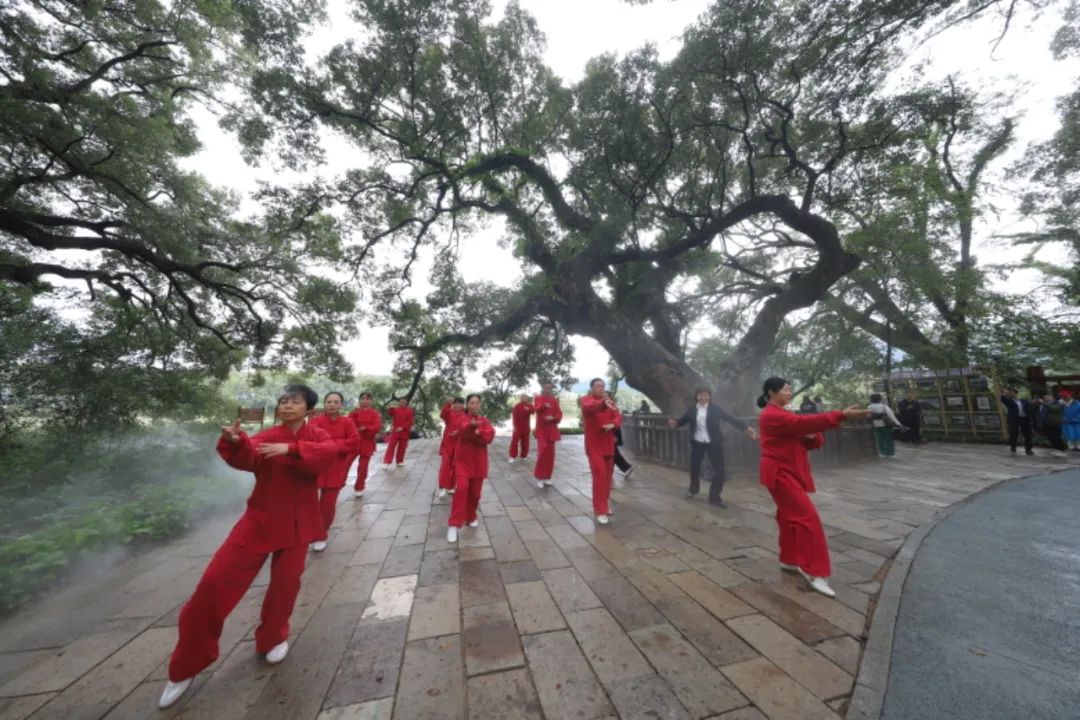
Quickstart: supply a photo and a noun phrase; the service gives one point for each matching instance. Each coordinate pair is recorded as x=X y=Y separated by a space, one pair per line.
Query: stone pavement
x=675 y=610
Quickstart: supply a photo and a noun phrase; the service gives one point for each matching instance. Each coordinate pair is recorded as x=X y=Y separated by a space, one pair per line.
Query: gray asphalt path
x=989 y=620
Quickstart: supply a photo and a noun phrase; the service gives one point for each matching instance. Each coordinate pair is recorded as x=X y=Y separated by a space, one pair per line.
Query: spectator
x=884 y=421
x=644 y=409
x=1018 y=419
x=808 y=407
x=910 y=413
x=1052 y=414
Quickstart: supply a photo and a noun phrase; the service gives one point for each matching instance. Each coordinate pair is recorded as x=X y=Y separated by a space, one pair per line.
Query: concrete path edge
x=868 y=697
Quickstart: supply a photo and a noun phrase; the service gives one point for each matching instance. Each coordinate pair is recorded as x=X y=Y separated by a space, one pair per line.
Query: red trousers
x=802 y=538
x=362 y=472
x=328 y=507
x=224 y=582
x=519 y=443
x=545 y=459
x=446 y=470
x=466 y=500
x=397 y=442
x=602 y=468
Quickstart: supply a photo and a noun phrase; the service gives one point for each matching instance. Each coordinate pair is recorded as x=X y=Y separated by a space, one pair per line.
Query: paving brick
x=506 y=695
x=510 y=548
x=701 y=689
x=481 y=583
x=521 y=571
x=371 y=663
x=844 y=651
x=807 y=667
x=625 y=603
x=439 y=568
x=570 y=590
x=436 y=611
x=566 y=686
x=374 y=710
x=491 y=639
x=609 y=650
x=805 y=625
x=646 y=698
x=431 y=687
x=777 y=695
x=711 y=596
x=533 y=608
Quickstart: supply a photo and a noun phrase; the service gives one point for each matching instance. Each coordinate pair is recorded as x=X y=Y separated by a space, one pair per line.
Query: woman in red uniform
x=785 y=471
x=401 y=422
x=281 y=519
x=521 y=416
x=601 y=416
x=368 y=423
x=452 y=412
x=475 y=433
x=342 y=431
x=548 y=416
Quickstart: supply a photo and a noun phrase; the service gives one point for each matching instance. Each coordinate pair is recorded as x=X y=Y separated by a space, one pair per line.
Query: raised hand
x=672 y=422
x=231 y=432
x=752 y=433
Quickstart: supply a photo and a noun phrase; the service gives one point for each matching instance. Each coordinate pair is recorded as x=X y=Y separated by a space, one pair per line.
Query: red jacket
x=401 y=417
x=343 y=433
x=368 y=422
x=471 y=455
x=283 y=510
x=522 y=415
x=597 y=414
x=784 y=443
x=544 y=405
x=450 y=418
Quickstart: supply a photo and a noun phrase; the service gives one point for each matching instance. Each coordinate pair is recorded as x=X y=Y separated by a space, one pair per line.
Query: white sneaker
x=442 y=492
x=451 y=534
x=540 y=484
x=278 y=652
x=357 y=494
x=318 y=545
x=819 y=583
x=602 y=519
x=172 y=692
x=789 y=568
x=513 y=460
x=474 y=524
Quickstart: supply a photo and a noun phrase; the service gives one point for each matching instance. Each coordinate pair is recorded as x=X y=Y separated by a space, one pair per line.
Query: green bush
x=31 y=561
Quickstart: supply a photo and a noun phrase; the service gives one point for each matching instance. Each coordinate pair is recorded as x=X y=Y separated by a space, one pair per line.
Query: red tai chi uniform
x=448 y=445
x=398 y=441
x=546 y=433
x=600 y=447
x=368 y=423
x=785 y=471
x=342 y=431
x=470 y=467
x=282 y=518
x=519 y=440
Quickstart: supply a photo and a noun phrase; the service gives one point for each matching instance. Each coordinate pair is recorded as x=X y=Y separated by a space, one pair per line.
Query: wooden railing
x=649 y=438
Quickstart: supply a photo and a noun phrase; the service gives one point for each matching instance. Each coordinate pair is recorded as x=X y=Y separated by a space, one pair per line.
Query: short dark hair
x=471 y=396
x=366 y=395
x=702 y=389
x=875 y=398
x=334 y=392
x=594 y=381
x=458 y=400
x=311 y=398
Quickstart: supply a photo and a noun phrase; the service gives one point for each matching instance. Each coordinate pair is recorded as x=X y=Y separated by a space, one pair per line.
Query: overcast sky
x=578 y=30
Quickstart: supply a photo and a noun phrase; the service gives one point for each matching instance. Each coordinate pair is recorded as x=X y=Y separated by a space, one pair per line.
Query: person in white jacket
x=884 y=421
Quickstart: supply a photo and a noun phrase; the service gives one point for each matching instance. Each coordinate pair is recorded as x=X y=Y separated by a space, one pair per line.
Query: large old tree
x=634 y=199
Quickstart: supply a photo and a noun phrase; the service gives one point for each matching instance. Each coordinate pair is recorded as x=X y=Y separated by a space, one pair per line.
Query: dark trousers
x=715 y=453
x=1053 y=434
x=1017 y=426
x=620 y=461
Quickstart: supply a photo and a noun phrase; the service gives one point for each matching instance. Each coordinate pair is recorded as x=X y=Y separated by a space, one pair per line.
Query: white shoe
x=602 y=519
x=513 y=460
x=628 y=472
x=819 y=583
x=278 y=652
x=474 y=524
x=442 y=492
x=357 y=494
x=540 y=484
x=451 y=534
x=172 y=692
x=318 y=545
x=789 y=568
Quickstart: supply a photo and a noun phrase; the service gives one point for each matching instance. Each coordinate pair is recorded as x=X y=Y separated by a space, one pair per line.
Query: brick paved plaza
x=675 y=610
